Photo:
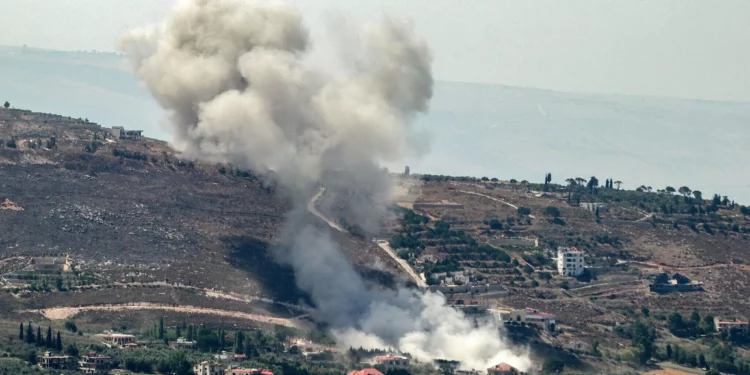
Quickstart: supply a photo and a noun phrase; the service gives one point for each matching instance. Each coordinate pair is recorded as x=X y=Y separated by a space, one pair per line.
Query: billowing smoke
x=237 y=82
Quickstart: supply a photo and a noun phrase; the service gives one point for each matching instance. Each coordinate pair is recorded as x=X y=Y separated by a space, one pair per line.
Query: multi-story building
x=208 y=368
x=94 y=364
x=570 y=261
x=56 y=362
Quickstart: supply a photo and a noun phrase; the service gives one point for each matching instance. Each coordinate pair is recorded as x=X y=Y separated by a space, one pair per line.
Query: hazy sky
x=680 y=48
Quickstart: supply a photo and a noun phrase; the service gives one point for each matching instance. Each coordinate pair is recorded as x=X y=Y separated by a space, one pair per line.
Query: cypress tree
x=20 y=333
x=161 y=328
x=48 y=342
x=59 y=342
x=190 y=332
x=39 y=339
x=178 y=332
x=30 y=334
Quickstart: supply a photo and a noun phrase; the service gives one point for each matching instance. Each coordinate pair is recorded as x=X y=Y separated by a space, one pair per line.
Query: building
x=593 y=207
x=119 y=339
x=94 y=364
x=247 y=371
x=53 y=263
x=119 y=132
x=56 y=362
x=533 y=316
x=570 y=261
x=182 y=343
x=366 y=371
x=391 y=361
x=502 y=369
x=726 y=326
x=208 y=368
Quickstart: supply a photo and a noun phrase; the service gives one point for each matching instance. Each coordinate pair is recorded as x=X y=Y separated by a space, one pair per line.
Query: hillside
x=500 y=239
x=131 y=214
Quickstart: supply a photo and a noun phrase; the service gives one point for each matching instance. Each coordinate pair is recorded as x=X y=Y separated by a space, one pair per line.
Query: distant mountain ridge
x=474 y=129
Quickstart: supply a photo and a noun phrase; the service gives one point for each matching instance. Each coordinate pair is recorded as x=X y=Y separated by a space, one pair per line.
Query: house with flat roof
x=727 y=325
x=391 y=361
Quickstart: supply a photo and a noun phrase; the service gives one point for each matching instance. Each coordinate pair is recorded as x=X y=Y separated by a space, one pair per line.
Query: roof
x=536 y=313
x=367 y=371
x=389 y=358
x=503 y=367
x=240 y=356
x=733 y=323
x=249 y=371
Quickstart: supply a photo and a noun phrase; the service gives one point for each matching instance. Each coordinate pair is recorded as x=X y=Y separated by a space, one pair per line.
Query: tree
x=713 y=371
x=30 y=334
x=71 y=350
x=70 y=326
x=669 y=351
x=618 y=183
x=698 y=196
x=20 y=333
x=553 y=366
x=701 y=361
x=593 y=183
x=546 y=276
x=644 y=311
x=670 y=190
x=685 y=191
x=485 y=179
x=39 y=338
x=643 y=337
x=552 y=212
x=48 y=342
x=6 y=105
x=161 y=328
x=524 y=211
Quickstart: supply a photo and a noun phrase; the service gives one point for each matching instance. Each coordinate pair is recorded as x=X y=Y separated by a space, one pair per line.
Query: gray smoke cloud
x=237 y=83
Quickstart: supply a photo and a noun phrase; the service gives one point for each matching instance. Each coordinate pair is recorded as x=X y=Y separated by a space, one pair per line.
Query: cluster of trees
x=127 y=154
x=50 y=341
x=691 y=327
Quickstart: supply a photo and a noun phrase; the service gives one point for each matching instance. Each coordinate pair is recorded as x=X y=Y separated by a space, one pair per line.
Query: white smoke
x=235 y=79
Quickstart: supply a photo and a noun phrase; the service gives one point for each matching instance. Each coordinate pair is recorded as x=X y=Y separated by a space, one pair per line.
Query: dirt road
x=494 y=199
x=382 y=244
x=404 y=264
x=314 y=210
x=59 y=313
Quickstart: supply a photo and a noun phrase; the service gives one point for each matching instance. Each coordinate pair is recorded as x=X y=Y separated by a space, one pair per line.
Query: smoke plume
x=237 y=83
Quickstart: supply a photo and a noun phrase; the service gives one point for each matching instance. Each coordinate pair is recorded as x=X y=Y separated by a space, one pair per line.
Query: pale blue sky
x=679 y=48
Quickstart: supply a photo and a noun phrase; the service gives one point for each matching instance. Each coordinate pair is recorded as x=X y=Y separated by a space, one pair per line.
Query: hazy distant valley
x=473 y=129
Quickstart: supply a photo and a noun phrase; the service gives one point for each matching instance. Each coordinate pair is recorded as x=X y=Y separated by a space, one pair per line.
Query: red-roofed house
x=367 y=371
x=502 y=369
x=723 y=325
x=529 y=315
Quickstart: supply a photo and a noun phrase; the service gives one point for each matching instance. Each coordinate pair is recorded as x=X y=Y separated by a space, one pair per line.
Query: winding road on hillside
x=311 y=206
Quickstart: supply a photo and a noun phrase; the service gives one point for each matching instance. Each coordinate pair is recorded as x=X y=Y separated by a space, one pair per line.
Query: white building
x=391 y=361
x=570 y=261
